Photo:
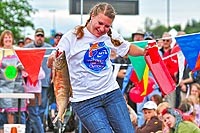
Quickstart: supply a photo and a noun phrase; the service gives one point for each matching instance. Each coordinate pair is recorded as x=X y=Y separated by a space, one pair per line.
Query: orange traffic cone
x=13 y=130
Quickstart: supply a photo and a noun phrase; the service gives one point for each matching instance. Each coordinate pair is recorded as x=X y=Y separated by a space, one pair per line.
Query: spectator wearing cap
x=39 y=42
x=151 y=83
x=57 y=38
x=138 y=35
x=27 y=40
x=20 y=43
x=152 y=123
x=149 y=36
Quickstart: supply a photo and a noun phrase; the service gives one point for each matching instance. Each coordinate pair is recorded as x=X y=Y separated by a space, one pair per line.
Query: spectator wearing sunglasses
x=57 y=38
x=171 y=64
x=166 y=47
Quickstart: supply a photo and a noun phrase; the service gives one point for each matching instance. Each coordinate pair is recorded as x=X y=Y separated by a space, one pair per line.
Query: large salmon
x=62 y=85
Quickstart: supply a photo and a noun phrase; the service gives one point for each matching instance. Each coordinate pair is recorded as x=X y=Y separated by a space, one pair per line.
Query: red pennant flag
x=134 y=77
x=31 y=59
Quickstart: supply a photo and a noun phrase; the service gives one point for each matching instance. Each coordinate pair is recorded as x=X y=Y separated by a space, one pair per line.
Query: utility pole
x=168 y=13
x=54 y=22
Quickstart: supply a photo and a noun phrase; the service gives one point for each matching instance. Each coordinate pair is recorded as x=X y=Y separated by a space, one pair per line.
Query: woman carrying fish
x=96 y=97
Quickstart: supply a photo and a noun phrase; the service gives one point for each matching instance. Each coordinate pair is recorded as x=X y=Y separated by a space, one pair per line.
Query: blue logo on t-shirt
x=95 y=58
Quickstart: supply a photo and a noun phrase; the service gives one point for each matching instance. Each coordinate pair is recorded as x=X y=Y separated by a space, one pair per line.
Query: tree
x=192 y=26
x=15 y=16
x=157 y=28
x=148 y=24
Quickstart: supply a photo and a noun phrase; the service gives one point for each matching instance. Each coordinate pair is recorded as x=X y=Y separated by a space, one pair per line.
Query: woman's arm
x=136 y=51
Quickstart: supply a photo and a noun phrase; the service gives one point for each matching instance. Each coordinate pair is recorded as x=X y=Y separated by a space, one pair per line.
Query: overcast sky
x=180 y=12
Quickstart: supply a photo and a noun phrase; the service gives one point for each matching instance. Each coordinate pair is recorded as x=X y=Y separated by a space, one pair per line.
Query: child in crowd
x=152 y=123
x=160 y=108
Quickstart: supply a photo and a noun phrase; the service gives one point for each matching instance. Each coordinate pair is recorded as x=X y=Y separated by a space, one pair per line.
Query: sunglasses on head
x=40 y=35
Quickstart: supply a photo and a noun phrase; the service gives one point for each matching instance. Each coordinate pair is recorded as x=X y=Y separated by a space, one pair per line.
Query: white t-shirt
x=89 y=63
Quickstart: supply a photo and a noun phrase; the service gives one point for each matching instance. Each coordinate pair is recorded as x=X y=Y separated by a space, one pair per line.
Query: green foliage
x=15 y=16
x=177 y=27
x=192 y=26
x=148 y=23
x=158 y=29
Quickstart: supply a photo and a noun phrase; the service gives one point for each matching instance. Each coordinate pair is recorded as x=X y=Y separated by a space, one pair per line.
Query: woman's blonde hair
x=196 y=84
x=108 y=11
x=8 y=32
x=162 y=106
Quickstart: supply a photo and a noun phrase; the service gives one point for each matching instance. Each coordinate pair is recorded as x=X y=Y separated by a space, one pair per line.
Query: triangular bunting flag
x=138 y=62
x=31 y=59
x=190 y=46
x=145 y=80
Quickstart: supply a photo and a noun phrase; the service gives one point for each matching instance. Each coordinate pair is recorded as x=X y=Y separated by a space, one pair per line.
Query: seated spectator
x=160 y=108
x=152 y=123
x=172 y=118
x=195 y=89
x=193 y=100
x=188 y=112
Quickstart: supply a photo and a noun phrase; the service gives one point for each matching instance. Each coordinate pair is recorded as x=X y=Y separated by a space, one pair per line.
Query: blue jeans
x=105 y=113
x=44 y=103
x=34 y=122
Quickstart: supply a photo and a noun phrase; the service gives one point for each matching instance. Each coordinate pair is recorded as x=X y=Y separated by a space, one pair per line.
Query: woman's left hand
x=146 y=50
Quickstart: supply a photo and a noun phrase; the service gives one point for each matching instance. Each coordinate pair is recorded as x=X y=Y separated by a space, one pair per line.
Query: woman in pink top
x=34 y=122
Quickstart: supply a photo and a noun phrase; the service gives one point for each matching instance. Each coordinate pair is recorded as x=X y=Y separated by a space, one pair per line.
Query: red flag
x=160 y=73
x=31 y=59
